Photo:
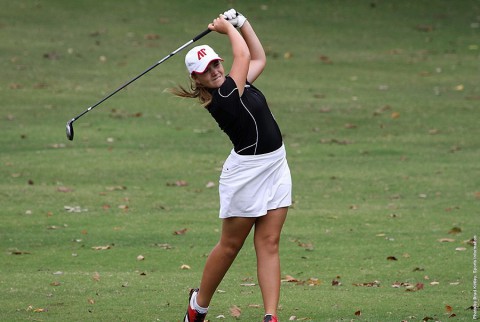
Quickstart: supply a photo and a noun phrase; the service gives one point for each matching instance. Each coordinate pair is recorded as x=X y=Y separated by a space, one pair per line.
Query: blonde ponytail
x=195 y=91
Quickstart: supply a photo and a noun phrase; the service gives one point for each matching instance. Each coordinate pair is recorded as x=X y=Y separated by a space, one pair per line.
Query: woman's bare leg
x=267 y=237
x=234 y=232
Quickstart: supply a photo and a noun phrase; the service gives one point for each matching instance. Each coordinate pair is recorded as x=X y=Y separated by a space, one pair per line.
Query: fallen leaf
x=313 y=281
x=185 y=266
x=325 y=59
x=40 y=85
x=15 y=86
x=64 y=189
x=140 y=258
x=455 y=148
x=75 y=209
x=96 y=277
x=57 y=145
x=395 y=115
x=358 y=313
x=448 y=308
x=180 y=232
x=164 y=246
x=235 y=311
x=123 y=207
x=471 y=241
x=40 y=310
x=151 y=36
x=400 y=284
x=210 y=184
x=289 y=278
x=53 y=227
x=368 y=284
x=455 y=230
x=178 y=183
x=102 y=247
x=91 y=301
x=116 y=188
x=306 y=246
x=446 y=240
x=18 y=252
x=350 y=126
x=335 y=141
x=51 y=55
x=392 y=258
x=409 y=287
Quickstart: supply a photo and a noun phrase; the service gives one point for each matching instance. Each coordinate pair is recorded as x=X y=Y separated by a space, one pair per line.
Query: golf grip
x=206 y=32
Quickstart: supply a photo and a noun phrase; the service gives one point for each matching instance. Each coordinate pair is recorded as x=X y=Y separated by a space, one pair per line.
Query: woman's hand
x=235 y=18
x=221 y=25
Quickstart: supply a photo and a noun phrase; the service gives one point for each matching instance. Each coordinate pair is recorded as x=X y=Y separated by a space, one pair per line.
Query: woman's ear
x=195 y=79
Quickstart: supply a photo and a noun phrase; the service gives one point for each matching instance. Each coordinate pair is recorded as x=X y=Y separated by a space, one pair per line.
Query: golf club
x=69 y=127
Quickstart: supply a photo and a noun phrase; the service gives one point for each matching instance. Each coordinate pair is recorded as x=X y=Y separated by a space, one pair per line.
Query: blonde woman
x=255 y=183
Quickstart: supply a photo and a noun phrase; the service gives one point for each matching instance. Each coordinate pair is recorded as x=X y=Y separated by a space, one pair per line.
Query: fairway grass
x=378 y=102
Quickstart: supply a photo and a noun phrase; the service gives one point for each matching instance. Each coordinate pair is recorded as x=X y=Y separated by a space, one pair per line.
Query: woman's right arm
x=240 y=50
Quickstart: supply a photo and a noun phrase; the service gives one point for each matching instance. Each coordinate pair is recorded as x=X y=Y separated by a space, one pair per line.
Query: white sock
x=194 y=304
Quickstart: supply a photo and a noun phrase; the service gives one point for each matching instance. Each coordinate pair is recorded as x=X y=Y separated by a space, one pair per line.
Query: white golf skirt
x=250 y=185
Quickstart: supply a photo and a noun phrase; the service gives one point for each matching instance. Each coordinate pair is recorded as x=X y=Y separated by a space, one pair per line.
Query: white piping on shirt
x=253 y=118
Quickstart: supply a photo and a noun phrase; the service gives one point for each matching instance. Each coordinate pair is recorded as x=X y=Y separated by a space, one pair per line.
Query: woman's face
x=213 y=77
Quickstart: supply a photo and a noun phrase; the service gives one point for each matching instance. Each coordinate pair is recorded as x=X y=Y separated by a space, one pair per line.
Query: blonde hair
x=195 y=91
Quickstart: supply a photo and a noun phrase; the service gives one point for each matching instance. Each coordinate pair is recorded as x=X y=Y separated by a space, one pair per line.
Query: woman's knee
x=268 y=243
x=231 y=247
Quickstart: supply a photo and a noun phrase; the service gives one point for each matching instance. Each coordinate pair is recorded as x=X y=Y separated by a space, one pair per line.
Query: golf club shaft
x=146 y=71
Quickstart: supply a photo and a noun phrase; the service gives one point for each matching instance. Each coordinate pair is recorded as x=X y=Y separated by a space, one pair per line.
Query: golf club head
x=69 y=130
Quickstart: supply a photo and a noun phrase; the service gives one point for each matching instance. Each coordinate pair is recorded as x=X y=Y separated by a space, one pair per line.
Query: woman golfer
x=255 y=183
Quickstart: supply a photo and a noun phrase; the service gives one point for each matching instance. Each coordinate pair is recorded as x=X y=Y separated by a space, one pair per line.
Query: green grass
x=379 y=105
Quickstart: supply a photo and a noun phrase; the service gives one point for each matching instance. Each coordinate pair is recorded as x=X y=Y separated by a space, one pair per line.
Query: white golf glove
x=235 y=18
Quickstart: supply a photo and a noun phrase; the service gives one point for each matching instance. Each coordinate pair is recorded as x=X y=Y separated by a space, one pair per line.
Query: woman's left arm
x=258 y=58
